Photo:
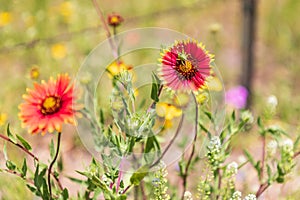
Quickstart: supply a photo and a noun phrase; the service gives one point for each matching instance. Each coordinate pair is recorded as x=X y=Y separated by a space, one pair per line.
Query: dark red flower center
x=185 y=69
x=51 y=105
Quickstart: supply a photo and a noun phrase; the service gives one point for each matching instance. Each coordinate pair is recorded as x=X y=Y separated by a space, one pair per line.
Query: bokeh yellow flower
x=5 y=18
x=34 y=72
x=3 y=118
x=58 y=51
x=66 y=9
x=167 y=111
x=117 y=67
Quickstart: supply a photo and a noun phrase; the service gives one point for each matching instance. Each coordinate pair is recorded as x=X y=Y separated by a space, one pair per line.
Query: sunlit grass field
x=39 y=39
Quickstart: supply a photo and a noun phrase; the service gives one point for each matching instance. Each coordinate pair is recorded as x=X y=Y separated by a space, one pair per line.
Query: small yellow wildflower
x=58 y=51
x=117 y=67
x=66 y=9
x=5 y=18
x=34 y=72
x=202 y=97
x=167 y=111
x=3 y=118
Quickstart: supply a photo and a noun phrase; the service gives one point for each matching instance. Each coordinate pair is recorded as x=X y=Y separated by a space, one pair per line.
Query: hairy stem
x=185 y=175
x=170 y=143
x=52 y=163
x=19 y=146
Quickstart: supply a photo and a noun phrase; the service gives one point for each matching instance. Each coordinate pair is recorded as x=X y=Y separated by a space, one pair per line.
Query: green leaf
x=101 y=117
x=233 y=116
x=250 y=158
x=10 y=135
x=5 y=151
x=65 y=194
x=10 y=165
x=296 y=143
x=24 y=142
x=155 y=88
x=60 y=164
x=149 y=144
x=259 y=123
x=24 y=168
x=31 y=188
x=139 y=175
x=52 y=149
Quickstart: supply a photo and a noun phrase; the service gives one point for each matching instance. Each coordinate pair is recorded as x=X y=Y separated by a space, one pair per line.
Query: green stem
x=52 y=163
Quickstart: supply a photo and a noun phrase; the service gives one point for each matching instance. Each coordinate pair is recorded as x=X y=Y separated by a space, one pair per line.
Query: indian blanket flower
x=48 y=105
x=114 y=19
x=185 y=66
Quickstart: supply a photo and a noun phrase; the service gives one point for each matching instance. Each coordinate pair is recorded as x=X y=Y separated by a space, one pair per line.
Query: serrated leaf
x=24 y=168
x=139 y=175
x=10 y=135
x=24 y=142
x=10 y=165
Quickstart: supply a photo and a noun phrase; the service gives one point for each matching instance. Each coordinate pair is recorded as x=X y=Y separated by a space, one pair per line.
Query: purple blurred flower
x=237 y=97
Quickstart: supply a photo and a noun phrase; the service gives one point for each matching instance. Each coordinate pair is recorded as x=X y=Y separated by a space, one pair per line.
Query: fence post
x=248 y=39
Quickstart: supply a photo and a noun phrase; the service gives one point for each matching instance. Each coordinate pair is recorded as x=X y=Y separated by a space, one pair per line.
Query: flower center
x=185 y=68
x=51 y=105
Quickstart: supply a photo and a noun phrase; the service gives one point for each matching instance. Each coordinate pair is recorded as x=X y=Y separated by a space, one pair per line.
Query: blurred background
x=40 y=38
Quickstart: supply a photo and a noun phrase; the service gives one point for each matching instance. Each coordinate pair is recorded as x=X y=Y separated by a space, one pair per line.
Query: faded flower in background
x=5 y=18
x=48 y=105
x=58 y=51
x=3 y=118
x=237 y=97
x=117 y=67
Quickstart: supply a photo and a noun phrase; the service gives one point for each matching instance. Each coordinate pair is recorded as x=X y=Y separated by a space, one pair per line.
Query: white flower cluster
x=271 y=148
x=215 y=143
x=250 y=197
x=232 y=169
x=237 y=195
x=188 y=195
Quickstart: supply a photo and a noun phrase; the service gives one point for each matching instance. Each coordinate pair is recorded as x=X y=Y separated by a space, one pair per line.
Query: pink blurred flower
x=185 y=66
x=237 y=97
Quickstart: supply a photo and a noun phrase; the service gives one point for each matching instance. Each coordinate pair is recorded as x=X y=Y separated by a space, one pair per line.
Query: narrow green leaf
x=250 y=158
x=52 y=149
x=102 y=120
x=60 y=164
x=259 y=123
x=155 y=88
x=10 y=135
x=149 y=144
x=31 y=188
x=24 y=168
x=65 y=194
x=297 y=141
x=139 y=175
x=5 y=151
x=10 y=165
x=24 y=142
